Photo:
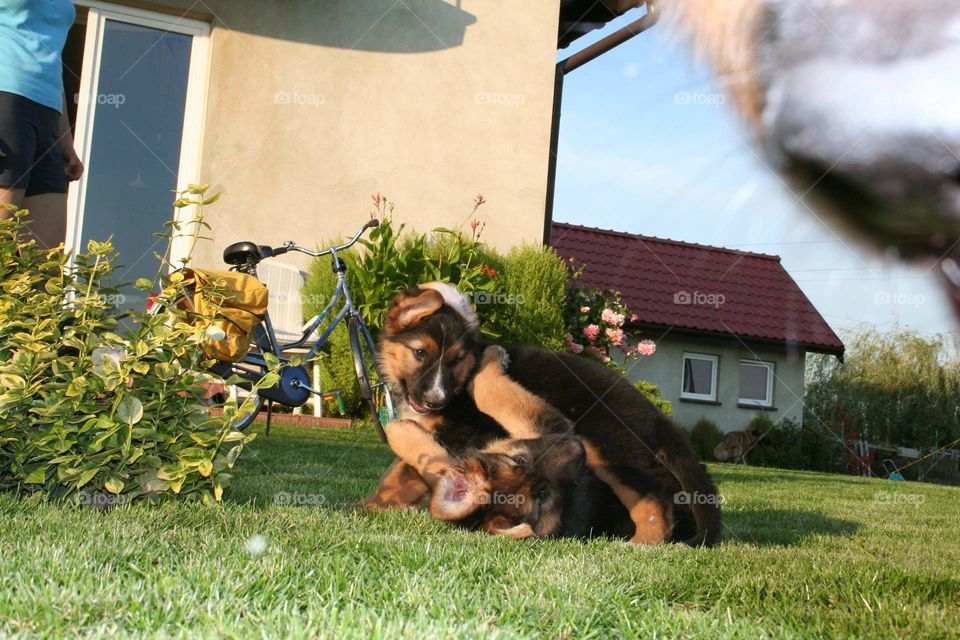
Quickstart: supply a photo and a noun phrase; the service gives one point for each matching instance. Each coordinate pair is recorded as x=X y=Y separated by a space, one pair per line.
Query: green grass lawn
x=804 y=555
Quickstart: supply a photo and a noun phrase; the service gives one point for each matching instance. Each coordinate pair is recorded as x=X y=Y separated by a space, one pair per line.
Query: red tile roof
x=696 y=287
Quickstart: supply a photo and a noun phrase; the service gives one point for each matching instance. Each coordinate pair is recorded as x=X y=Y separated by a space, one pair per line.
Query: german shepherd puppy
x=736 y=444
x=432 y=357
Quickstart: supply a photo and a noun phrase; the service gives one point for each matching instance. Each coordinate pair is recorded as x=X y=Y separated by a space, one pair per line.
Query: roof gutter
x=577 y=60
x=615 y=39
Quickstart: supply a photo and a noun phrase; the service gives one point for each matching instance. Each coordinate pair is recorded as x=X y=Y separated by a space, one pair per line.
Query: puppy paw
x=496 y=354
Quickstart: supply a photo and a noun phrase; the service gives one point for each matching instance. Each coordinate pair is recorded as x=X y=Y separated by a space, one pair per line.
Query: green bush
x=779 y=445
x=896 y=388
x=391 y=261
x=653 y=393
x=822 y=450
x=787 y=445
x=704 y=437
x=84 y=409
x=336 y=361
x=526 y=303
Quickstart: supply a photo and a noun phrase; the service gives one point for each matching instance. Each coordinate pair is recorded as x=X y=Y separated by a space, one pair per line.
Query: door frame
x=191 y=143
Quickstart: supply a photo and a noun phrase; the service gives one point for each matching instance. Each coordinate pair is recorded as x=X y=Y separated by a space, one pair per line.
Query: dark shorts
x=29 y=154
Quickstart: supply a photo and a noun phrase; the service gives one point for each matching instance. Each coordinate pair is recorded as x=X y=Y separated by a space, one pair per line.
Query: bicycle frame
x=294 y=386
x=266 y=339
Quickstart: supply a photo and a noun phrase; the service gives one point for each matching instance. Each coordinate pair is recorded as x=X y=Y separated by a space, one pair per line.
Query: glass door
x=139 y=116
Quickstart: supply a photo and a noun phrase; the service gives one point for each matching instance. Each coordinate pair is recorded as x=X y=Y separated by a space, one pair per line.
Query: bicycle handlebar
x=289 y=245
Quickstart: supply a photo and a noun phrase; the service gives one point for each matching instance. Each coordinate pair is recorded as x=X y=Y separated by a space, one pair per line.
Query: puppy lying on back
x=540 y=487
x=646 y=505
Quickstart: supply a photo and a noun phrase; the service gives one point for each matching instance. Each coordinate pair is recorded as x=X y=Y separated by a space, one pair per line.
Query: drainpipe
x=577 y=60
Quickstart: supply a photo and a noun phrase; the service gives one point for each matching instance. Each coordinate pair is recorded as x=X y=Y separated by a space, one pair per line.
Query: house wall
x=314 y=106
x=665 y=369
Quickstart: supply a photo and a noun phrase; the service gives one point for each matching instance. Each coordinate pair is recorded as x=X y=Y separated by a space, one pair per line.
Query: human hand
x=71 y=163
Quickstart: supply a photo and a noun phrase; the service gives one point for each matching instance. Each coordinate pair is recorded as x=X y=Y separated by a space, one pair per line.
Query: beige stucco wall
x=665 y=369
x=314 y=106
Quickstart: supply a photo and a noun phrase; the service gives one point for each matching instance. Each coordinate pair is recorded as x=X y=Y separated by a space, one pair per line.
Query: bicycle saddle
x=241 y=253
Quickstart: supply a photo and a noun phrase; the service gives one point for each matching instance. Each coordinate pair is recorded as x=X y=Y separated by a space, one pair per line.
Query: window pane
x=753 y=382
x=697 y=376
x=135 y=148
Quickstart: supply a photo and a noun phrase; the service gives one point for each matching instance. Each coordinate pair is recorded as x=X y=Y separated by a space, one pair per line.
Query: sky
x=649 y=145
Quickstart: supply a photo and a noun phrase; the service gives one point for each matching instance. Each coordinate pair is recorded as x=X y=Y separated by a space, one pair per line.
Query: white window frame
x=768 y=401
x=191 y=143
x=715 y=362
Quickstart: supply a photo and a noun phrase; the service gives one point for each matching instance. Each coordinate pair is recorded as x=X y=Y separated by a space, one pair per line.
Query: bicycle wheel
x=373 y=389
x=239 y=393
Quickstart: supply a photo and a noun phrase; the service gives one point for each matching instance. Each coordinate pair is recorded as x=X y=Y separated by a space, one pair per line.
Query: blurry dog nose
x=435 y=398
x=859 y=113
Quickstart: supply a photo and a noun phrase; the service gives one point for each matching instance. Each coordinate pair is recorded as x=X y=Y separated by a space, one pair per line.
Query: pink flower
x=584 y=309
x=572 y=346
x=591 y=331
x=646 y=348
x=612 y=317
x=474 y=224
x=634 y=317
x=616 y=336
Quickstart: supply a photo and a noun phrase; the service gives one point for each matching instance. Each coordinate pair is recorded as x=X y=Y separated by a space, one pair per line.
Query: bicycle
x=293 y=388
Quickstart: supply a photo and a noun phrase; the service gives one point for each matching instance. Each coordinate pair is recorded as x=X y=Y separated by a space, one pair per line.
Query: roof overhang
x=580 y=17
x=745 y=339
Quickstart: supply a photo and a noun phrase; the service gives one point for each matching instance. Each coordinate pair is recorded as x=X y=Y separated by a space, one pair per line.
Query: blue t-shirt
x=32 y=35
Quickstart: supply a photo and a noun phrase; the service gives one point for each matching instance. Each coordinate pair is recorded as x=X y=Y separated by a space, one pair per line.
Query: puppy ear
x=459 y=492
x=411 y=308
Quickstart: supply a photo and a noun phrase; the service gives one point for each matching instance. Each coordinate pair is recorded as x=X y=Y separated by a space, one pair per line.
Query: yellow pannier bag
x=240 y=312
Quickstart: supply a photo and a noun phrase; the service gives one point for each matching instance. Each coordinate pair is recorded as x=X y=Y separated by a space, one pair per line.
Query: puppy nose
x=435 y=398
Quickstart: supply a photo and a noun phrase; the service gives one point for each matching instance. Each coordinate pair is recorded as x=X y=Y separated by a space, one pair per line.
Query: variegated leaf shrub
x=97 y=406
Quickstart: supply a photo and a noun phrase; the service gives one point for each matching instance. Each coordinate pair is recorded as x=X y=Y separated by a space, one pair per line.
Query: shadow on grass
x=785 y=527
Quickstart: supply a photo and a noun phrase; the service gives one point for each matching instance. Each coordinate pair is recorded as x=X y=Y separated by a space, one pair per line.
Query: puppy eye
x=419 y=354
x=519 y=460
x=540 y=495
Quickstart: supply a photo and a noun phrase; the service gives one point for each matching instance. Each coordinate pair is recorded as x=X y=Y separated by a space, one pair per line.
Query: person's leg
x=46 y=196
x=31 y=167
x=48 y=218
x=10 y=196
x=17 y=145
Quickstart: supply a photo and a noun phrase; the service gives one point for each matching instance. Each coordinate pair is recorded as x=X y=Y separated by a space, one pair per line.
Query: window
x=699 y=377
x=140 y=111
x=756 y=383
